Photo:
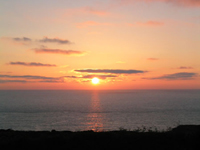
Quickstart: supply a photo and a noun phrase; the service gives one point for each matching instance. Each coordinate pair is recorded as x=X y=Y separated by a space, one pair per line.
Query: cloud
x=184 y=67
x=99 y=76
x=11 y=81
x=152 y=59
x=51 y=81
x=23 y=39
x=184 y=3
x=17 y=40
x=34 y=64
x=92 y=76
x=114 y=71
x=59 y=51
x=28 y=77
x=26 y=40
x=54 y=40
x=150 y=23
x=176 y=76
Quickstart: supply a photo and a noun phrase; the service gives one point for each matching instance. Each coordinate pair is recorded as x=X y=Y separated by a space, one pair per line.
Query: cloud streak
x=17 y=40
x=112 y=71
x=150 y=23
x=13 y=81
x=27 y=40
x=184 y=67
x=29 y=79
x=23 y=39
x=91 y=76
x=32 y=64
x=54 y=40
x=59 y=51
x=176 y=76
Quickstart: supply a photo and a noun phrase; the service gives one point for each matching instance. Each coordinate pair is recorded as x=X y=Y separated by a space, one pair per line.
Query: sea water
x=97 y=110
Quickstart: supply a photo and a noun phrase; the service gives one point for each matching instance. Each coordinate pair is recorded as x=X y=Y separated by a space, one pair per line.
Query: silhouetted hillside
x=180 y=138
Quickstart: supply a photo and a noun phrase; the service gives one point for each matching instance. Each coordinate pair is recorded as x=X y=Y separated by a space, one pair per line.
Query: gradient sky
x=127 y=44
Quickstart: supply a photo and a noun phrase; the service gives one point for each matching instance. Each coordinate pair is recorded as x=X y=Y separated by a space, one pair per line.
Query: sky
x=126 y=44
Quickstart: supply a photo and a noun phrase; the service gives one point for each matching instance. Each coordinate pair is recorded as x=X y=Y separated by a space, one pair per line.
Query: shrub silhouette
x=141 y=138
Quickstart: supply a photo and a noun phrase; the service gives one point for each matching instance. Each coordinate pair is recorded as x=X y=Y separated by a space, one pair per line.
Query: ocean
x=77 y=110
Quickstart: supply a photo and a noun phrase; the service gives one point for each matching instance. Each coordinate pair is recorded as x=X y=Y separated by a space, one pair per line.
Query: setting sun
x=95 y=80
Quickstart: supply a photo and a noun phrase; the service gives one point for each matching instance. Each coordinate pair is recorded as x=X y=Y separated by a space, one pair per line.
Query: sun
x=95 y=80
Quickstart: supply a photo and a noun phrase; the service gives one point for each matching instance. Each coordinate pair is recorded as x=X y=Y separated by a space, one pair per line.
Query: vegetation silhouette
x=182 y=137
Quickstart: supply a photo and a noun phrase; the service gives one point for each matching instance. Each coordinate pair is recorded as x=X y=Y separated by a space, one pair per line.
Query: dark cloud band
x=92 y=76
x=185 y=67
x=28 y=77
x=59 y=51
x=35 y=64
x=112 y=71
x=13 y=81
x=176 y=76
x=54 y=40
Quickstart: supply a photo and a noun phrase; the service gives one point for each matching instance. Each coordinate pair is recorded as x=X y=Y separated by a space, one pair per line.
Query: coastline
x=181 y=137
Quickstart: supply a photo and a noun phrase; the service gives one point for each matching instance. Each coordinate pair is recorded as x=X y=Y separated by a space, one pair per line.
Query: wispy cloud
x=150 y=23
x=17 y=40
x=32 y=64
x=185 y=67
x=176 y=76
x=152 y=59
x=54 y=40
x=184 y=3
x=23 y=39
x=60 y=51
x=28 y=41
x=29 y=78
x=51 y=81
x=112 y=71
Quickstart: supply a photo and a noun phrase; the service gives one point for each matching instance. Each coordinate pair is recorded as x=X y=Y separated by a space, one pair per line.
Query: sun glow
x=95 y=80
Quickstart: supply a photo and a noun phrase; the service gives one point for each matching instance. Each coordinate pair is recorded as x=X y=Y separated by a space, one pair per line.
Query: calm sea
x=98 y=110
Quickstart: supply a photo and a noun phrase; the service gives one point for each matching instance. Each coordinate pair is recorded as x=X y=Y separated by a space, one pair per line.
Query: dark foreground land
x=184 y=137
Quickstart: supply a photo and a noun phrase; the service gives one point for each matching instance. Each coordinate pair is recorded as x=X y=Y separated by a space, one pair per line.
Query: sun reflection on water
x=95 y=118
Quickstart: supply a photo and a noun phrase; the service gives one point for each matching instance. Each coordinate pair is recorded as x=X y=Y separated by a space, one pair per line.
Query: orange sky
x=127 y=44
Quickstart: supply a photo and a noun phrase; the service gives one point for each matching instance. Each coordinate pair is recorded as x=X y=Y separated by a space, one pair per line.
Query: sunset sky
x=126 y=44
